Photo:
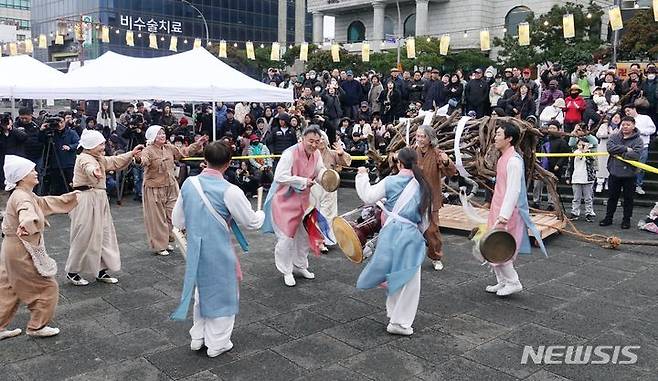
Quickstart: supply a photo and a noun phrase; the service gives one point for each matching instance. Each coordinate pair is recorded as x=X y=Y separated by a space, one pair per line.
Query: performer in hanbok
x=27 y=274
x=160 y=189
x=288 y=202
x=509 y=208
x=327 y=202
x=400 y=246
x=94 y=247
x=435 y=164
x=208 y=208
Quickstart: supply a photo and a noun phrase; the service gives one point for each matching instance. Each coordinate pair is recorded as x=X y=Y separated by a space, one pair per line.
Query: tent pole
x=13 y=107
x=214 y=121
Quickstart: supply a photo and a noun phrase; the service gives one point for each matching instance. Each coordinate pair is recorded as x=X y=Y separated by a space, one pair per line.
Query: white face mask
x=651 y=76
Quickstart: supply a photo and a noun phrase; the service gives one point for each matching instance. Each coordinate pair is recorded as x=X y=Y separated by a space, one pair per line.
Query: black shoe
x=625 y=224
x=605 y=222
x=574 y=217
x=589 y=218
x=535 y=205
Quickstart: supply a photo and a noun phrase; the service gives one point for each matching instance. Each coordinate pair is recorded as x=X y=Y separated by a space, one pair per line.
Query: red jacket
x=575 y=109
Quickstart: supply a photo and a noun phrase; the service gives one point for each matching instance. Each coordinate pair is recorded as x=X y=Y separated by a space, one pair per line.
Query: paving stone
x=598 y=307
x=544 y=375
x=256 y=337
x=265 y=365
x=300 y=323
x=74 y=333
x=206 y=375
x=559 y=290
x=84 y=309
x=251 y=312
x=503 y=314
x=423 y=319
x=535 y=335
x=59 y=365
x=471 y=329
x=136 y=299
x=463 y=369
x=130 y=320
x=588 y=282
x=447 y=303
x=18 y=348
x=536 y=302
x=386 y=363
x=334 y=373
x=434 y=346
x=315 y=351
x=131 y=345
x=362 y=334
x=137 y=369
x=601 y=372
x=181 y=361
x=574 y=324
x=9 y=373
x=344 y=309
x=503 y=356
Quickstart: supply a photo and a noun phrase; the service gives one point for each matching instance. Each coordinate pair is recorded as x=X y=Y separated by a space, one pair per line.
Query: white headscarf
x=91 y=139
x=151 y=133
x=16 y=168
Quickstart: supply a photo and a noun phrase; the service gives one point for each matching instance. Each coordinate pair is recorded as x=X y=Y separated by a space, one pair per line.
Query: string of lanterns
x=568 y=26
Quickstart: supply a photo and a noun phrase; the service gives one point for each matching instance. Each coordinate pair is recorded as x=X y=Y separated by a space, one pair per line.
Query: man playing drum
x=509 y=208
x=400 y=246
x=288 y=203
x=435 y=164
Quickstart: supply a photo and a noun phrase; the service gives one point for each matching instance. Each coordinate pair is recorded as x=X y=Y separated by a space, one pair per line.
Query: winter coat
x=476 y=92
x=575 y=109
x=353 y=93
x=65 y=137
x=618 y=145
x=373 y=97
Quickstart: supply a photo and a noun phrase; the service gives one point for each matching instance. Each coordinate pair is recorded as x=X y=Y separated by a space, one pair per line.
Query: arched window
x=356 y=32
x=514 y=17
x=410 y=26
x=389 y=27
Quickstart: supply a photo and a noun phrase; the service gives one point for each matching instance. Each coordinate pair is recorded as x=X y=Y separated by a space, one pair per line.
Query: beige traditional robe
x=160 y=192
x=19 y=279
x=327 y=202
x=94 y=245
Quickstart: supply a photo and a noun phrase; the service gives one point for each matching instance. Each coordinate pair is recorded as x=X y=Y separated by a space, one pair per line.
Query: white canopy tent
x=25 y=77
x=194 y=75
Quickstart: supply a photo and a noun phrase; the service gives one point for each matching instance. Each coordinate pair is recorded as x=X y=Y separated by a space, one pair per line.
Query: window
x=514 y=17
x=356 y=32
x=410 y=26
x=389 y=27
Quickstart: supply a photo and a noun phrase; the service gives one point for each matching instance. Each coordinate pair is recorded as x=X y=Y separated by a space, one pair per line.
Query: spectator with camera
x=106 y=117
x=61 y=143
x=135 y=135
x=281 y=136
x=145 y=114
x=12 y=142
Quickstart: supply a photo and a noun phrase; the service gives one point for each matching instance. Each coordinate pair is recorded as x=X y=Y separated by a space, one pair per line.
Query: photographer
x=584 y=78
x=135 y=134
x=12 y=142
x=33 y=146
x=62 y=142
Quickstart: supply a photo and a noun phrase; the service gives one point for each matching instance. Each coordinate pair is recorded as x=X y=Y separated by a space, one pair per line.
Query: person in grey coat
x=628 y=145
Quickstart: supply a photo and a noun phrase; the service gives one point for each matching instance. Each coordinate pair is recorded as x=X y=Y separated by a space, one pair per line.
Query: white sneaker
x=170 y=248
x=44 y=332
x=599 y=188
x=639 y=190
x=289 y=280
x=195 y=345
x=162 y=253
x=437 y=264
x=216 y=352
x=494 y=289
x=509 y=289
x=304 y=273
x=77 y=280
x=324 y=248
x=5 y=334
x=397 y=329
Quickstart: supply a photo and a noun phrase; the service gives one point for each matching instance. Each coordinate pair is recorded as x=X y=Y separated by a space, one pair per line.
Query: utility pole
x=615 y=41
x=399 y=34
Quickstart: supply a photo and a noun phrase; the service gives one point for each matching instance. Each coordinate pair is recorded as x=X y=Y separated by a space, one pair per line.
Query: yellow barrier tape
x=262 y=157
x=634 y=163
x=637 y=164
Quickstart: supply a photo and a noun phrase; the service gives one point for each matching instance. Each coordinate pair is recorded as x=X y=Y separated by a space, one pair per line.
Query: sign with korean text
x=150 y=24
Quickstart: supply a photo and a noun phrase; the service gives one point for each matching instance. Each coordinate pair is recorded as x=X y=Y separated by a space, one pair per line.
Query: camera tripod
x=124 y=175
x=49 y=149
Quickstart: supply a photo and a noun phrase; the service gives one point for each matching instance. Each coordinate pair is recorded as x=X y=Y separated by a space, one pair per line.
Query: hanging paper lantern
x=43 y=43
x=655 y=10
x=130 y=38
x=616 y=23
x=568 y=26
x=13 y=49
x=365 y=52
x=153 y=41
x=222 y=49
x=485 y=40
x=524 y=34
x=59 y=40
x=275 y=55
x=197 y=43
x=251 y=54
x=173 y=44
x=411 y=47
x=303 y=52
x=29 y=48
x=105 y=34
x=335 y=52
x=444 y=44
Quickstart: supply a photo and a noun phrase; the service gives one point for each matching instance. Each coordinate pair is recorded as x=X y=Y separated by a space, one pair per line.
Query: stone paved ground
x=327 y=330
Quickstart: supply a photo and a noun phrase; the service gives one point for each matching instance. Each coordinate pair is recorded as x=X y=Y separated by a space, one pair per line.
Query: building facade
x=380 y=20
x=16 y=14
x=230 y=20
